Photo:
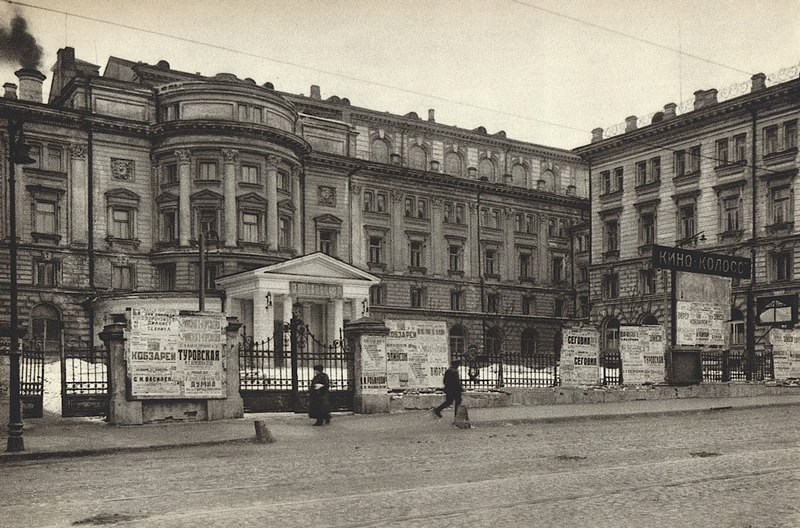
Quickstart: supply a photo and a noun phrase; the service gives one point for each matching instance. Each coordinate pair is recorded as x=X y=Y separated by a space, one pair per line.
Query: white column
x=297 y=221
x=356 y=228
x=184 y=177
x=78 y=194
x=357 y=308
x=229 y=190
x=263 y=315
x=288 y=302
x=272 y=202
x=335 y=318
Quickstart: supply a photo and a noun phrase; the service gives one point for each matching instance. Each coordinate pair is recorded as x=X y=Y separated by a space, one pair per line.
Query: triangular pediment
x=327 y=219
x=251 y=198
x=167 y=197
x=207 y=195
x=286 y=205
x=314 y=268
x=122 y=194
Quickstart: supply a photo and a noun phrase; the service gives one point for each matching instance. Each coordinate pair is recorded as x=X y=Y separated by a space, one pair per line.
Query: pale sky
x=545 y=71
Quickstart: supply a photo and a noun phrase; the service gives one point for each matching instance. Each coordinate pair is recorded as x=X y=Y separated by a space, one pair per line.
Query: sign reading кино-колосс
x=680 y=259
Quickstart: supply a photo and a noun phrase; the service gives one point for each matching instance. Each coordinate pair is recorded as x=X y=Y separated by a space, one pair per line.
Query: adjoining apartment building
x=131 y=166
x=720 y=178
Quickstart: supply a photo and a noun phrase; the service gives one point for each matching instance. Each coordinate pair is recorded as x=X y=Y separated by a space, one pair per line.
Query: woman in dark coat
x=319 y=402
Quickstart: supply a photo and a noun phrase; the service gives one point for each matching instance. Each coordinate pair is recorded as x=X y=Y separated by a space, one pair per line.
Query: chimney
x=759 y=82
x=11 y=91
x=699 y=99
x=315 y=93
x=630 y=123
x=30 y=84
x=669 y=110
x=597 y=135
x=710 y=97
x=430 y=116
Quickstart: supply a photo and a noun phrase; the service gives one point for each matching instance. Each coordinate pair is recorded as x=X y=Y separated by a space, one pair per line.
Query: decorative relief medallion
x=326 y=195
x=229 y=155
x=356 y=188
x=183 y=155
x=122 y=169
x=78 y=151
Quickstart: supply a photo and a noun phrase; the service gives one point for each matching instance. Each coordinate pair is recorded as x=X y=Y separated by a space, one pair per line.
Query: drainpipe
x=90 y=208
x=750 y=330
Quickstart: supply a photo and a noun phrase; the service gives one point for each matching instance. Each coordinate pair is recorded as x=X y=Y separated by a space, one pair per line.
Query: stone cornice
x=175 y=128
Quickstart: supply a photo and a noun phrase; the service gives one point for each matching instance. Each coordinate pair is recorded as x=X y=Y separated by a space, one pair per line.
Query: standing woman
x=319 y=402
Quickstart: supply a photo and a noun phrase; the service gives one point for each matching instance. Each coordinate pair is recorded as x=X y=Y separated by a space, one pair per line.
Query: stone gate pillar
x=232 y=406
x=367 y=337
x=121 y=411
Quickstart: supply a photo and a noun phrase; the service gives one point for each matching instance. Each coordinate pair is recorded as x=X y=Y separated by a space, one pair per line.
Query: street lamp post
x=17 y=154
x=202 y=245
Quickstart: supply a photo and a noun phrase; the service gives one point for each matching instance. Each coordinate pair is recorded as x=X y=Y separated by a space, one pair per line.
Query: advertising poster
x=416 y=353
x=641 y=350
x=701 y=323
x=172 y=356
x=785 y=352
x=372 y=371
x=580 y=351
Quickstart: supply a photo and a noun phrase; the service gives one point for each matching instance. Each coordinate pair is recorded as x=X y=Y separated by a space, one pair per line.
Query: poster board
x=174 y=356
x=417 y=353
x=701 y=324
x=641 y=350
x=580 y=356
x=785 y=352
x=372 y=364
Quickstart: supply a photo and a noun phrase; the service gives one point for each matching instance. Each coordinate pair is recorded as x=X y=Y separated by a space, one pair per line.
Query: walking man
x=452 y=389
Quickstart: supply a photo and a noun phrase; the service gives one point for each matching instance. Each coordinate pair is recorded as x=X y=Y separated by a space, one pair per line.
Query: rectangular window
x=375 y=250
x=121 y=224
x=45 y=272
x=456 y=300
x=460 y=217
x=376 y=296
x=55 y=156
x=45 y=218
x=168 y=225
x=409 y=207
x=584 y=306
x=641 y=173
x=257 y=115
x=121 y=278
x=447 y=213
x=380 y=202
x=679 y=163
x=285 y=232
x=171 y=173
x=731 y=205
x=552 y=228
x=284 y=181
x=455 y=253
x=496 y=215
x=771 y=139
x=242 y=112
x=519 y=222
x=327 y=242
x=35 y=154
x=558 y=307
x=524 y=265
x=251 y=227
x=611 y=286
x=605 y=182
x=493 y=303
x=166 y=277
x=417 y=295
x=686 y=221
x=647 y=228
x=207 y=221
x=722 y=152
x=369 y=201
x=250 y=174
x=655 y=169
x=781 y=265
x=612 y=235
x=530 y=224
x=527 y=305
x=207 y=170
x=647 y=281
x=618 y=179
x=780 y=199
x=422 y=208
x=694 y=159
x=557 y=264
x=583 y=274
x=212 y=272
x=490 y=262
x=415 y=253
x=740 y=147
x=790 y=135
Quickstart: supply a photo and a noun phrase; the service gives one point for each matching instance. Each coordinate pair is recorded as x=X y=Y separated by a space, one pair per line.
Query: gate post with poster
x=170 y=365
x=367 y=337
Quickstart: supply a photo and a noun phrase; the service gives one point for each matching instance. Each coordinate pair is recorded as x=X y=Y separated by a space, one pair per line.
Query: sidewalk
x=53 y=436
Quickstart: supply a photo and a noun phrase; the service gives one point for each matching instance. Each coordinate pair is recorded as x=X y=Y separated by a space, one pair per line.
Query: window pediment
x=38 y=189
x=251 y=199
x=122 y=197
x=286 y=205
x=167 y=198
x=736 y=184
x=327 y=220
x=207 y=195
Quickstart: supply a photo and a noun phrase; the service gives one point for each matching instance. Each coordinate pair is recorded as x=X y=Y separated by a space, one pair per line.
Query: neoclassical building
x=130 y=167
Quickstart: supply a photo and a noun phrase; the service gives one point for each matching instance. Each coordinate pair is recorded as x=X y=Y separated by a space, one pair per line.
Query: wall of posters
x=580 y=351
x=416 y=353
x=785 y=352
x=641 y=350
x=173 y=356
x=702 y=323
x=372 y=364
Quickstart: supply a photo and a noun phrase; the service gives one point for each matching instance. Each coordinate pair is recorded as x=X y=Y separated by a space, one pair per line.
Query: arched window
x=458 y=339
x=519 y=175
x=549 y=180
x=611 y=334
x=46 y=327
x=494 y=339
x=380 y=151
x=737 y=327
x=452 y=164
x=417 y=158
x=528 y=342
x=486 y=169
x=649 y=319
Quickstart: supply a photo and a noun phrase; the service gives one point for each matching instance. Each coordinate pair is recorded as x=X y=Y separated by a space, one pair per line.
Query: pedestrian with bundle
x=319 y=401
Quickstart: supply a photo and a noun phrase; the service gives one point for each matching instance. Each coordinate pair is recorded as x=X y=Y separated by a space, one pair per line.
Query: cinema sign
x=679 y=259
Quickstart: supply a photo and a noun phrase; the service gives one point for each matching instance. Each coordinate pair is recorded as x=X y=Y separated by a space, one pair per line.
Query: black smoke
x=18 y=46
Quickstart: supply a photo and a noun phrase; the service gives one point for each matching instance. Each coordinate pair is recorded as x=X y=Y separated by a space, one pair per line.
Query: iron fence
x=499 y=369
x=85 y=371
x=732 y=365
x=611 y=367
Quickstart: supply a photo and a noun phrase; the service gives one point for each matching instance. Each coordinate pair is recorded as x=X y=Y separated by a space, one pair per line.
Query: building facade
x=720 y=178
x=130 y=167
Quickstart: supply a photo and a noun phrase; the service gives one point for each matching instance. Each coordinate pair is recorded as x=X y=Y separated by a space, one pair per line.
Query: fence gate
x=31 y=382
x=84 y=382
x=274 y=375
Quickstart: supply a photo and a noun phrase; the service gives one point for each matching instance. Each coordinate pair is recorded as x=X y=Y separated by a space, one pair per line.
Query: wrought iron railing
x=721 y=365
x=85 y=371
x=499 y=369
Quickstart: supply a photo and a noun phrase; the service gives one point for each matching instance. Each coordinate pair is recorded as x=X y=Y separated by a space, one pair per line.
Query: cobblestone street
x=731 y=468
